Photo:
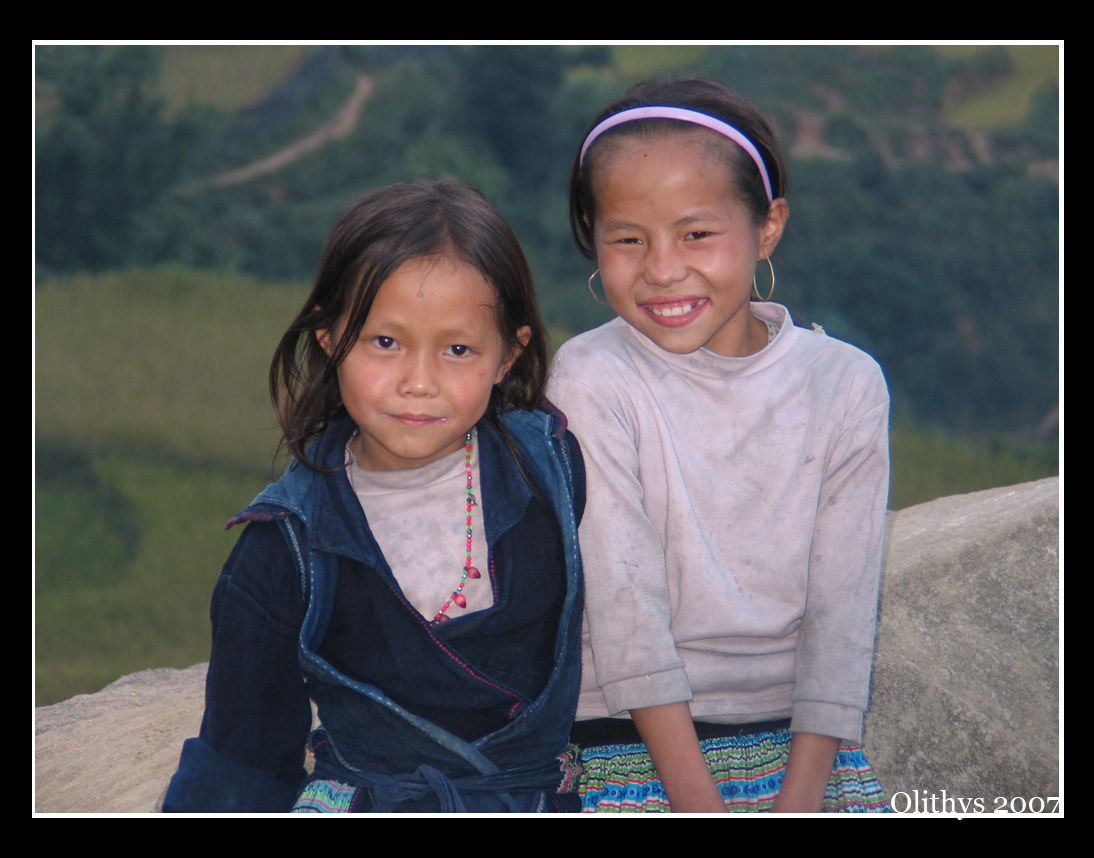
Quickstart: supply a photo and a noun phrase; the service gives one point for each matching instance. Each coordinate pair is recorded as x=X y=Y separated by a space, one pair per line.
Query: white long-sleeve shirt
x=733 y=534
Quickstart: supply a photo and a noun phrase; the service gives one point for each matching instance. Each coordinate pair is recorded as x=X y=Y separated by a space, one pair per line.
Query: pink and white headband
x=683 y=115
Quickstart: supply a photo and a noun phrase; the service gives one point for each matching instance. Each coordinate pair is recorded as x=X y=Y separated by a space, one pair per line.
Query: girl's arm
x=669 y=734
x=249 y=756
x=834 y=652
x=836 y=637
x=807 y=773
x=627 y=597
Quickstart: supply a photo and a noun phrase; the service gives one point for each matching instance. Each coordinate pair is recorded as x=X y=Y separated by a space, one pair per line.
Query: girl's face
x=420 y=374
x=677 y=249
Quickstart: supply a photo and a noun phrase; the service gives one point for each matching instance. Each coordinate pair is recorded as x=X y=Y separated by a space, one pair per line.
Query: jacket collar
x=331 y=500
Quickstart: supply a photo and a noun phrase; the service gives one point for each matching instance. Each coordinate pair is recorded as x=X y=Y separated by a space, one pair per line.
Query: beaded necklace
x=469 y=571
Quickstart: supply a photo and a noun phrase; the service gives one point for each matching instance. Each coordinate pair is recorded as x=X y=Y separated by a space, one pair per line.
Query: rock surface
x=965 y=685
x=114 y=751
x=966 y=694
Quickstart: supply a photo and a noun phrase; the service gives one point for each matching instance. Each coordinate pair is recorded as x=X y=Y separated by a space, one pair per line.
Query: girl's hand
x=807 y=772
x=669 y=734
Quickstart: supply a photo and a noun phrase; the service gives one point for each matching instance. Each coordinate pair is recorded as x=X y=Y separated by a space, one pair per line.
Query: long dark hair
x=698 y=94
x=387 y=228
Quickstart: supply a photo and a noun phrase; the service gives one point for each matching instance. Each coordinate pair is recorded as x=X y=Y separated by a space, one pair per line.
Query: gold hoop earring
x=770 y=291
x=591 y=292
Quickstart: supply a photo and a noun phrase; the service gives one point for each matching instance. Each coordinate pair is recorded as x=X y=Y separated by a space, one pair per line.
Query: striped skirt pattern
x=326 y=796
x=748 y=771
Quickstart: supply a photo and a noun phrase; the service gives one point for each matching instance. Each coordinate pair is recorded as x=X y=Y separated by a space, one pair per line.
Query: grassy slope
x=928 y=464
x=167 y=359
x=1035 y=67
x=150 y=390
x=225 y=77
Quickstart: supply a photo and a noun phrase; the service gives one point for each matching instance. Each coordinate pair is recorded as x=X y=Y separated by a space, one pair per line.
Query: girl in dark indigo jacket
x=415 y=572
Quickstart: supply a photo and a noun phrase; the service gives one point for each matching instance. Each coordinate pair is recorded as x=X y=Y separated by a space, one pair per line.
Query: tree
x=106 y=159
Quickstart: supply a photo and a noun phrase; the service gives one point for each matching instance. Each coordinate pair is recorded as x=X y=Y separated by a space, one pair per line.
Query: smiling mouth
x=681 y=308
x=675 y=314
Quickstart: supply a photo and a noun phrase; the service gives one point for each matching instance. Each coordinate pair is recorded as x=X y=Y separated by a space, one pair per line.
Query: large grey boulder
x=965 y=683
x=966 y=694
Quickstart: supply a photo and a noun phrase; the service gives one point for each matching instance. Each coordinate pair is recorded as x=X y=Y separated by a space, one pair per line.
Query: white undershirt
x=419 y=518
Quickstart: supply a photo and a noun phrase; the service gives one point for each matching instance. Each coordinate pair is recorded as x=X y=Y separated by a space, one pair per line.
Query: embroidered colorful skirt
x=747 y=769
x=326 y=796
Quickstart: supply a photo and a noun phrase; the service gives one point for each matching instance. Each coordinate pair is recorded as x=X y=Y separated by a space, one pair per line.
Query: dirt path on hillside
x=338 y=127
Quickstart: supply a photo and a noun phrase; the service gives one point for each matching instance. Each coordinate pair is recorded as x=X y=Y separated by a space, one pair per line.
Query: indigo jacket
x=470 y=715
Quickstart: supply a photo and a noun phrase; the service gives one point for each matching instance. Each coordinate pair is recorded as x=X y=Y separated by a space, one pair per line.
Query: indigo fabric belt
x=621 y=731
x=389 y=791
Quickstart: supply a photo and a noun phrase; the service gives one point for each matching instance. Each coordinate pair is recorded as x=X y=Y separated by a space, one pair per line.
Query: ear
x=590 y=229
x=524 y=334
x=772 y=229
x=323 y=335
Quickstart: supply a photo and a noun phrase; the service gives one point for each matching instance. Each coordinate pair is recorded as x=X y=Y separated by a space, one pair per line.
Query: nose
x=664 y=265
x=419 y=377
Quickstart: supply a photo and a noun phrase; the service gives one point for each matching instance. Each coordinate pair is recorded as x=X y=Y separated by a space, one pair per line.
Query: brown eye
x=384 y=342
x=458 y=351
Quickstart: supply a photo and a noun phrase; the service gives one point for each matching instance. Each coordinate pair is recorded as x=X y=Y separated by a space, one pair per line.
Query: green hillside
x=153 y=429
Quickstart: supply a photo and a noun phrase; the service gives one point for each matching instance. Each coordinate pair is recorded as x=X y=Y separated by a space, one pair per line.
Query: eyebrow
x=698 y=217
x=615 y=224
x=392 y=328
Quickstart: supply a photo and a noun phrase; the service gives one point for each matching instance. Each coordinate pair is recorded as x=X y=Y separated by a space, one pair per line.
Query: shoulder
x=541 y=438
x=585 y=356
x=293 y=491
x=540 y=432
x=609 y=337
x=818 y=343
x=836 y=369
x=289 y=494
x=261 y=574
x=602 y=372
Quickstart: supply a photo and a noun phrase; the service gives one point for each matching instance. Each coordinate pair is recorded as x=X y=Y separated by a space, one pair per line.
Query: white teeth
x=677 y=311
